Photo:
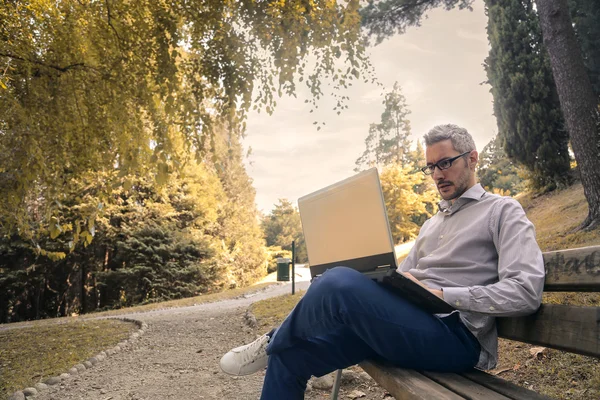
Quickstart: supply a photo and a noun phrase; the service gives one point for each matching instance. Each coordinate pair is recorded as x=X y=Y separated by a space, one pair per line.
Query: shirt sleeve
x=410 y=261
x=520 y=268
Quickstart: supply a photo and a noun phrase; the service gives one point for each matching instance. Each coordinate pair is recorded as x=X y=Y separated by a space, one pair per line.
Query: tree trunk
x=95 y=297
x=82 y=291
x=577 y=99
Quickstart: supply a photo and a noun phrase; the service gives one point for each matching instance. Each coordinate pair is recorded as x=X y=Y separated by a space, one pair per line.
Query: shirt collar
x=475 y=192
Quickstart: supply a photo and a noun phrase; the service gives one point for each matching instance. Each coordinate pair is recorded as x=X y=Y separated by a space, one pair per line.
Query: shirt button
x=457 y=303
x=492 y=308
x=441 y=236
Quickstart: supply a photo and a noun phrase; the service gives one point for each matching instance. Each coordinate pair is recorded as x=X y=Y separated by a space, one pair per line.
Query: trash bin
x=283 y=269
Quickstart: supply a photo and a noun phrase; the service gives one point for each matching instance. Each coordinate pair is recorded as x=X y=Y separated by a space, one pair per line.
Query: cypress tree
x=526 y=105
x=495 y=171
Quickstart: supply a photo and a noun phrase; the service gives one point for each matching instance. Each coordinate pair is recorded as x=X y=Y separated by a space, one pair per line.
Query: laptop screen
x=346 y=224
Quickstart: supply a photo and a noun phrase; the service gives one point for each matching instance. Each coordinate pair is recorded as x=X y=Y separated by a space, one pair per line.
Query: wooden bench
x=569 y=328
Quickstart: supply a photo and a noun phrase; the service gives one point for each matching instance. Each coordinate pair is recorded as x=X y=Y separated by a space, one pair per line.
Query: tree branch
x=56 y=67
x=109 y=20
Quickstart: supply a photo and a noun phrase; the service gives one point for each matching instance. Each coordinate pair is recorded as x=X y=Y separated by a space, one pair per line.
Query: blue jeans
x=345 y=318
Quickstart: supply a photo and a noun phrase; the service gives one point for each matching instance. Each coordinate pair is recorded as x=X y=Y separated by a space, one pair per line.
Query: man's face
x=454 y=181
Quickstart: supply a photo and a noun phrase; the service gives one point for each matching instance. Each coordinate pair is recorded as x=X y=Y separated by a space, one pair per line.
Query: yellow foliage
x=409 y=200
x=501 y=192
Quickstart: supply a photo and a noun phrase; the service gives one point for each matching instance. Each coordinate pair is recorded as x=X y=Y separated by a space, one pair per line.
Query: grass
x=36 y=350
x=30 y=355
x=271 y=312
x=556 y=215
x=554 y=373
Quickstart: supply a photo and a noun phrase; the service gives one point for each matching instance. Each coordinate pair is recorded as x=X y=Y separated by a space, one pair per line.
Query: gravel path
x=177 y=358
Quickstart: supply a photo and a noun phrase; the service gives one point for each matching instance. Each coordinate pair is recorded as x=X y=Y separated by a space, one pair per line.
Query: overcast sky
x=438 y=65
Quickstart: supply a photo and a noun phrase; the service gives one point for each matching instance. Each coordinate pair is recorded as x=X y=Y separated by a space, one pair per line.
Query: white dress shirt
x=481 y=251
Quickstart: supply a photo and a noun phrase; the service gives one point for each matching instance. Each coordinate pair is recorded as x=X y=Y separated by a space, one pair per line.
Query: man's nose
x=438 y=174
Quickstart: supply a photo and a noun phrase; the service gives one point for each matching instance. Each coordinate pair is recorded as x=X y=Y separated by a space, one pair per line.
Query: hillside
x=556 y=215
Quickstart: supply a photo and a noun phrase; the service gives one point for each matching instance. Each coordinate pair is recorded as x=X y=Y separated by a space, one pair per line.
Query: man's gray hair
x=461 y=139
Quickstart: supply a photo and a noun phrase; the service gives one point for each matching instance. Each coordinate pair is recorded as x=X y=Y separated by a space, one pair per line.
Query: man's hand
x=436 y=292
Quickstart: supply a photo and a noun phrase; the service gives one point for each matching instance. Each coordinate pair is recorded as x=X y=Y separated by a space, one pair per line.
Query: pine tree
x=387 y=141
x=530 y=124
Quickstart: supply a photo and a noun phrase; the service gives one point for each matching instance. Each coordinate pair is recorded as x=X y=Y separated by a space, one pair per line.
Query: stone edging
x=78 y=368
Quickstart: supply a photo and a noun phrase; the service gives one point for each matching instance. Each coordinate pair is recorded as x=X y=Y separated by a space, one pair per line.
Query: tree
x=585 y=15
x=405 y=205
x=577 y=98
x=384 y=18
x=530 y=125
x=94 y=86
x=151 y=242
x=388 y=141
x=495 y=170
x=239 y=228
x=282 y=226
x=417 y=156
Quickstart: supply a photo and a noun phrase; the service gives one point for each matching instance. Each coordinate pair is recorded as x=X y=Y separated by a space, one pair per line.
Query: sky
x=439 y=67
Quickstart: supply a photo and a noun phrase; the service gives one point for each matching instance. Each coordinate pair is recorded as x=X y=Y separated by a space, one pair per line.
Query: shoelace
x=255 y=349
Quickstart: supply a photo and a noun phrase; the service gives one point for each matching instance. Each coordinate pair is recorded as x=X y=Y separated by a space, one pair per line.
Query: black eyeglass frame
x=447 y=163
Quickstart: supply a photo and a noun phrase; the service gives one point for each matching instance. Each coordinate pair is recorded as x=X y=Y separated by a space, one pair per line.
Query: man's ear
x=473 y=159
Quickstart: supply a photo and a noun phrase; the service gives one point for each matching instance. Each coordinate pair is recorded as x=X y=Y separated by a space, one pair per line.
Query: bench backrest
x=571 y=328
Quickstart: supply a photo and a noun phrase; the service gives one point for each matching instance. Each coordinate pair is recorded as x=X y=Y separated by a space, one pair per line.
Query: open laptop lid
x=346 y=224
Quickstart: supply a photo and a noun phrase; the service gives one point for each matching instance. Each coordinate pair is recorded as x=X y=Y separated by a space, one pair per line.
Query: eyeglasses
x=443 y=164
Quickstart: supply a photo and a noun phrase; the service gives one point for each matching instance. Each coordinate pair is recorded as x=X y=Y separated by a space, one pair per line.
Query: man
x=478 y=253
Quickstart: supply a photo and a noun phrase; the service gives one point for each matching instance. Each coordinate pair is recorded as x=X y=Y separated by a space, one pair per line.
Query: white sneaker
x=248 y=359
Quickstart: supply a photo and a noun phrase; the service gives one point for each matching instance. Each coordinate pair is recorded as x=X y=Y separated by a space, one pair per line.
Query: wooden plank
x=569 y=328
x=406 y=384
x=574 y=270
x=463 y=386
x=508 y=389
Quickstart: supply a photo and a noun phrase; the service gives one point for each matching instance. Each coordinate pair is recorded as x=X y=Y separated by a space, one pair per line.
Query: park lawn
x=36 y=350
x=553 y=373
x=31 y=354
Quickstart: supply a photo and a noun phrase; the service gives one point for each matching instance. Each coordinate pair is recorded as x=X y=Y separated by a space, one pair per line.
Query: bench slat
x=508 y=389
x=463 y=386
x=570 y=328
x=574 y=270
x=405 y=384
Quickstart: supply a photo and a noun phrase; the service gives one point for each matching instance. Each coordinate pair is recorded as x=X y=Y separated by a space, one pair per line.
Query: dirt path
x=177 y=358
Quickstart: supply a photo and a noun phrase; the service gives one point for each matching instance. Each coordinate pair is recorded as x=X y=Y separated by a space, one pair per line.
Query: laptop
x=346 y=224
